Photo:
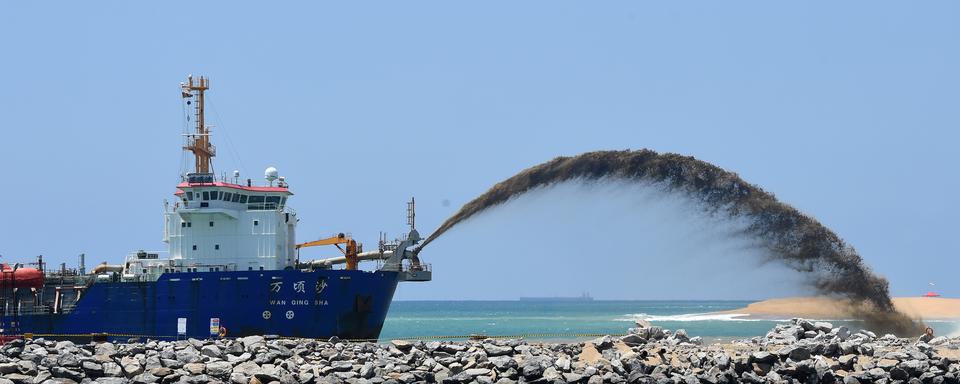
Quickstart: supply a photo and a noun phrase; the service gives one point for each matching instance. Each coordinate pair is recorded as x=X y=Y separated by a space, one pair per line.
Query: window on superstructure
x=189 y=195
x=256 y=223
x=272 y=202
x=243 y=199
x=194 y=247
x=283 y=202
x=227 y=196
x=206 y=195
x=236 y=198
x=211 y=223
x=183 y=224
x=255 y=202
x=216 y=246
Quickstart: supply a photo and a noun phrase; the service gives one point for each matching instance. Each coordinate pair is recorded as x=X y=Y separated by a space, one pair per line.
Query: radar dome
x=270 y=174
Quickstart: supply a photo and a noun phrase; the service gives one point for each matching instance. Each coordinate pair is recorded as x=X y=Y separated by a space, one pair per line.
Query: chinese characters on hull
x=298 y=287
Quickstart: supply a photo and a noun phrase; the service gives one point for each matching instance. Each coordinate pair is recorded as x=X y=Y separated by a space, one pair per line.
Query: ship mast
x=199 y=142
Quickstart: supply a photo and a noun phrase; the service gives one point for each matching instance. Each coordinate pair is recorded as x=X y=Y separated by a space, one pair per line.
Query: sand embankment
x=928 y=308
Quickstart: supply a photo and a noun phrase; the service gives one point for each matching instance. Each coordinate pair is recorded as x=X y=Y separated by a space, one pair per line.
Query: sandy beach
x=930 y=308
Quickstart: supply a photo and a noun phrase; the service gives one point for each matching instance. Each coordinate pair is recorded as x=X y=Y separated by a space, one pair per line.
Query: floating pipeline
x=794 y=239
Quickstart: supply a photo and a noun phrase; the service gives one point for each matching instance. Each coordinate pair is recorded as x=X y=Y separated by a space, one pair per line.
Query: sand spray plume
x=794 y=239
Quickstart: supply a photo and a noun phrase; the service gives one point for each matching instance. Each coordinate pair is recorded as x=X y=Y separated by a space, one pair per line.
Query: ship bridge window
x=255 y=202
x=206 y=195
x=227 y=196
x=236 y=198
x=272 y=202
x=189 y=195
x=243 y=199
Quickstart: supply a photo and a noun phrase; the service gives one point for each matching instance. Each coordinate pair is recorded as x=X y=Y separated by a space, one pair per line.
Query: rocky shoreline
x=802 y=351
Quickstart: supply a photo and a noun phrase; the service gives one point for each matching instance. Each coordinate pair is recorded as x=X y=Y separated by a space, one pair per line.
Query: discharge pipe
x=362 y=256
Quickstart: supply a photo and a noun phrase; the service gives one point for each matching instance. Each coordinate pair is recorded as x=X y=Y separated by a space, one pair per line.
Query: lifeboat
x=20 y=277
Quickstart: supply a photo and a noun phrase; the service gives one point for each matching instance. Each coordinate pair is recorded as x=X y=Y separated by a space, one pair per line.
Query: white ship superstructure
x=220 y=224
x=223 y=226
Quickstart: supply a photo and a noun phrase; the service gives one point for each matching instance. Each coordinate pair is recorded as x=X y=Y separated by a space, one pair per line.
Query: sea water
x=565 y=319
x=575 y=320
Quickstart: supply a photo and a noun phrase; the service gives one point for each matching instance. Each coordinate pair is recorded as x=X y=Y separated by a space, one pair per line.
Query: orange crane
x=349 y=252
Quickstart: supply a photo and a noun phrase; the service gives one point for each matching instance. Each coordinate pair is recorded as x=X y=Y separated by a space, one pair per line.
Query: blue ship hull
x=293 y=303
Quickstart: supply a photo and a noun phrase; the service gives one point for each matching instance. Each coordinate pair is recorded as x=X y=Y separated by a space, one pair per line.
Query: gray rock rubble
x=801 y=351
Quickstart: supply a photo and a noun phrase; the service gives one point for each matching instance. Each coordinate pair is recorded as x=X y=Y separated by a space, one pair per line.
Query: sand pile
x=928 y=308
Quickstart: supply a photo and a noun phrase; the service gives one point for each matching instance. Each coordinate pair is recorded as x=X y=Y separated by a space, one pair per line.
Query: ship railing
x=44 y=309
x=192 y=268
x=38 y=309
x=408 y=266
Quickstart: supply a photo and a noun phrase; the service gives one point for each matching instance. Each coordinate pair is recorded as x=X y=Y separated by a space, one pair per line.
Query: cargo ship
x=232 y=268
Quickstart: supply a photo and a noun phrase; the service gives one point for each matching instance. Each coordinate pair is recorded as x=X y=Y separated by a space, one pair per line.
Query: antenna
x=199 y=143
x=412 y=214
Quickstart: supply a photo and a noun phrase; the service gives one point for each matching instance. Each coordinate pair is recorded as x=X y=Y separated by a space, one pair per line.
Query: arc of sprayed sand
x=795 y=239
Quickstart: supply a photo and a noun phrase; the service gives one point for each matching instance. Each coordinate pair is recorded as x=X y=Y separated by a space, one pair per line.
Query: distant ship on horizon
x=583 y=297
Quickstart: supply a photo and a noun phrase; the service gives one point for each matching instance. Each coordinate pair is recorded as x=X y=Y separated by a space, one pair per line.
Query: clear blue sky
x=849 y=111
